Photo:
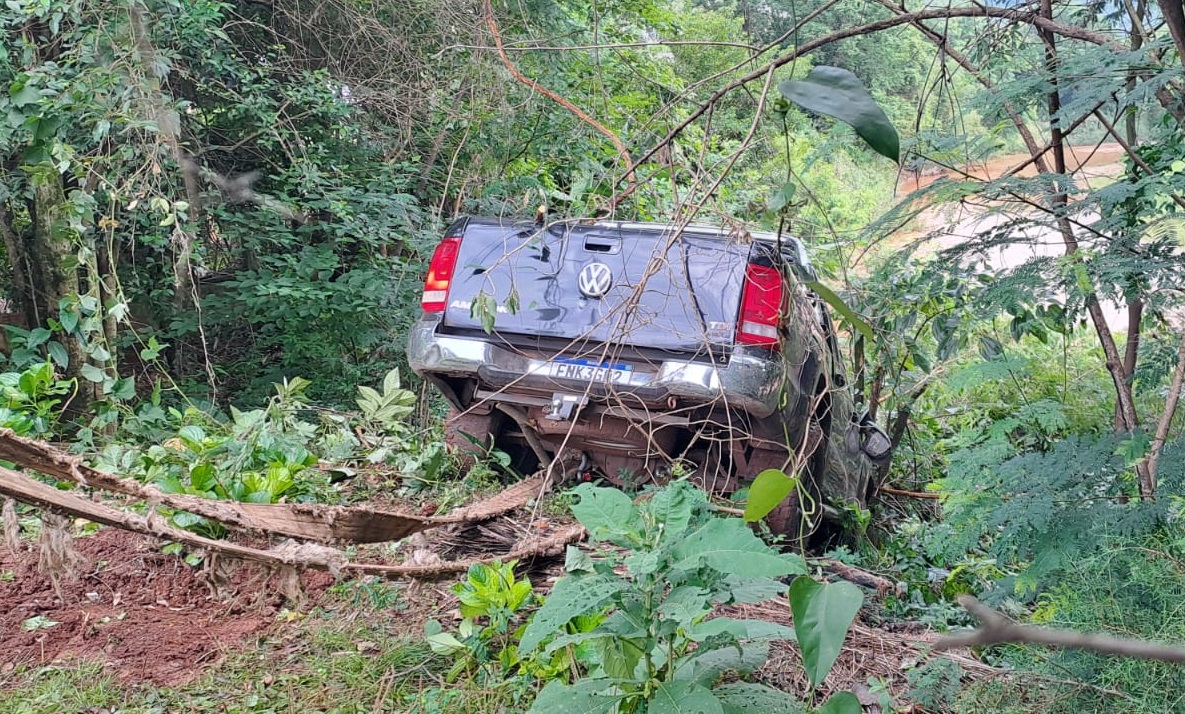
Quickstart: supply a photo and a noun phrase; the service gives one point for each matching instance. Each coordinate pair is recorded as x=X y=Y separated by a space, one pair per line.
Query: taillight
x=761 y=306
x=440 y=274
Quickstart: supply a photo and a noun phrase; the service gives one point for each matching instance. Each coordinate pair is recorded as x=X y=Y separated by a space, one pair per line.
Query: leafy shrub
x=658 y=648
x=1128 y=586
x=32 y=400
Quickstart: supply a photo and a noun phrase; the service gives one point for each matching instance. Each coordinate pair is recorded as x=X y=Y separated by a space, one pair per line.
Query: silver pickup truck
x=634 y=352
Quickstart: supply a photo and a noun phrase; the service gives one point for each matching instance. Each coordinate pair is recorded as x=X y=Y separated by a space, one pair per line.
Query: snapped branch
x=995 y=629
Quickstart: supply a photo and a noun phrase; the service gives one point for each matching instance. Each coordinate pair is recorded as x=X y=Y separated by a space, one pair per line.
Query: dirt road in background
x=947 y=225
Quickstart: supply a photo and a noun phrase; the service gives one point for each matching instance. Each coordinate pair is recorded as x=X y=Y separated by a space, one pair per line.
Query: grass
x=345 y=661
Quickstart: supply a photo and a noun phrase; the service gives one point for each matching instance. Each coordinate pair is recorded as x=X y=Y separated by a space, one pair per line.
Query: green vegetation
x=215 y=217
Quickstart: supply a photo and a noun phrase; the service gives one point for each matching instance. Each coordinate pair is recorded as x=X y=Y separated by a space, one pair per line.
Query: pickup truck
x=638 y=352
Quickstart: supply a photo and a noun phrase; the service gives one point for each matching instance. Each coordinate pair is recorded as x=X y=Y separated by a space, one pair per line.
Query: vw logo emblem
x=595 y=280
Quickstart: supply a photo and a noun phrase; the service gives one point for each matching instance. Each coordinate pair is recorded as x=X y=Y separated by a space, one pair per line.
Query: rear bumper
x=750 y=381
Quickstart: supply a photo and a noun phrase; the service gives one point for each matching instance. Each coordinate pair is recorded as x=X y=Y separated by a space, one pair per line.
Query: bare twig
x=909 y=494
x=995 y=629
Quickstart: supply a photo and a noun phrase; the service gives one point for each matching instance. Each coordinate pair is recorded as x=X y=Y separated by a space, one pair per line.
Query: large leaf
x=838 y=93
x=671 y=509
x=682 y=697
x=822 y=615
x=569 y=598
x=705 y=666
x=740 y=629
x=727 y=545
x=743 y=697
x=588 y=696
x=837 y=304
x=770 y=488
x=841 y=703
x=608 y=514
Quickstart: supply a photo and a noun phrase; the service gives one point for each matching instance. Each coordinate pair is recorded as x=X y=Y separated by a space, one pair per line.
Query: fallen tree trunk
x=289 y=554
x=315 y=522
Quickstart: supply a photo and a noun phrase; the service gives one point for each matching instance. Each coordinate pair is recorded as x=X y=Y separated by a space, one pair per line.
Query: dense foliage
x=202 y=200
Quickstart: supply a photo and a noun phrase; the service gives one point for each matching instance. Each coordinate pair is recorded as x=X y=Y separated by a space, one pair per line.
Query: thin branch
x=1170 y=410
x=1026 y=17
x=492 y=24
x=995 y=629
x=606 y=46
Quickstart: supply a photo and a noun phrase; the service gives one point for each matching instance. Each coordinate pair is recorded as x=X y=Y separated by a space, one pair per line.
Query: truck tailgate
x=640 y=288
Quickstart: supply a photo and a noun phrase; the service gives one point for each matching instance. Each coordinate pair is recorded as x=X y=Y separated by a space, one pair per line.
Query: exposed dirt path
x=148 y=616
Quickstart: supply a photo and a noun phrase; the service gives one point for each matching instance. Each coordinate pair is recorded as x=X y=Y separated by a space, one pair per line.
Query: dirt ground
x=149 y=616
x=1088 y=162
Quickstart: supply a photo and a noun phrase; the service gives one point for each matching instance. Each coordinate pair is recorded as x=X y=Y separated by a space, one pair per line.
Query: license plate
x=585 y=370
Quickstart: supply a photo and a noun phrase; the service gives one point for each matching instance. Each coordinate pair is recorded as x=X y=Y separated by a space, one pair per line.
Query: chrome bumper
x=750 y=381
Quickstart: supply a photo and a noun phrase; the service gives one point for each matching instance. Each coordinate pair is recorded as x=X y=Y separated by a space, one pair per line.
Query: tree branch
x=995 y=629
x=1170 y=410
x=492 y=24
x=1025 y=17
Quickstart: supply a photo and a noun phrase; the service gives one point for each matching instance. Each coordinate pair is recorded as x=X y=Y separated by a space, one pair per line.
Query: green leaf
x=822 y=615
x=37 y=622
x=588 y=696
x=569 y=598
x=837 y=304
x=706 y=665
x=37 y=337
x=727 y=545
x=670 y=509
x=770 y=488
x=92 y=373
x=683 y=697
x=577 y=561
x=756 y=698
x=445 y=644
x=741 y=629
x=838 y=93
x=608 y=514
x=58 y=354
x=124 y=388
x=841 y=703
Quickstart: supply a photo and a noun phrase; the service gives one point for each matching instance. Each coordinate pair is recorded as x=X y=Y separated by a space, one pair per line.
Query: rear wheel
x=799 y=515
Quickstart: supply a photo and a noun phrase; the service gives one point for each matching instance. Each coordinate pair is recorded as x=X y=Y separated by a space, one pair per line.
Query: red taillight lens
x=761 y=306
x=440 y=274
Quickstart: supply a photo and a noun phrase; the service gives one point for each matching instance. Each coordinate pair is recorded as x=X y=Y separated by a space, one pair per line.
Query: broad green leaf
x=588 y=696
x=124 y=388
x=838 y=93
x=823 y=612
x=569 y=598
x=577 y=561
x=619 y=656
x=608 y=514
x=58 y=354
x=92 y=373
x=684 y=697
x=727 y=545
x=837 y=303
x=741 y=629
x=841 y=703
x=746 y=698
x=770 y=488
x=706 y=665
x=444 y=643
x=671 y=508
x=750 y=590
x=38 y=337
x=684 y=605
